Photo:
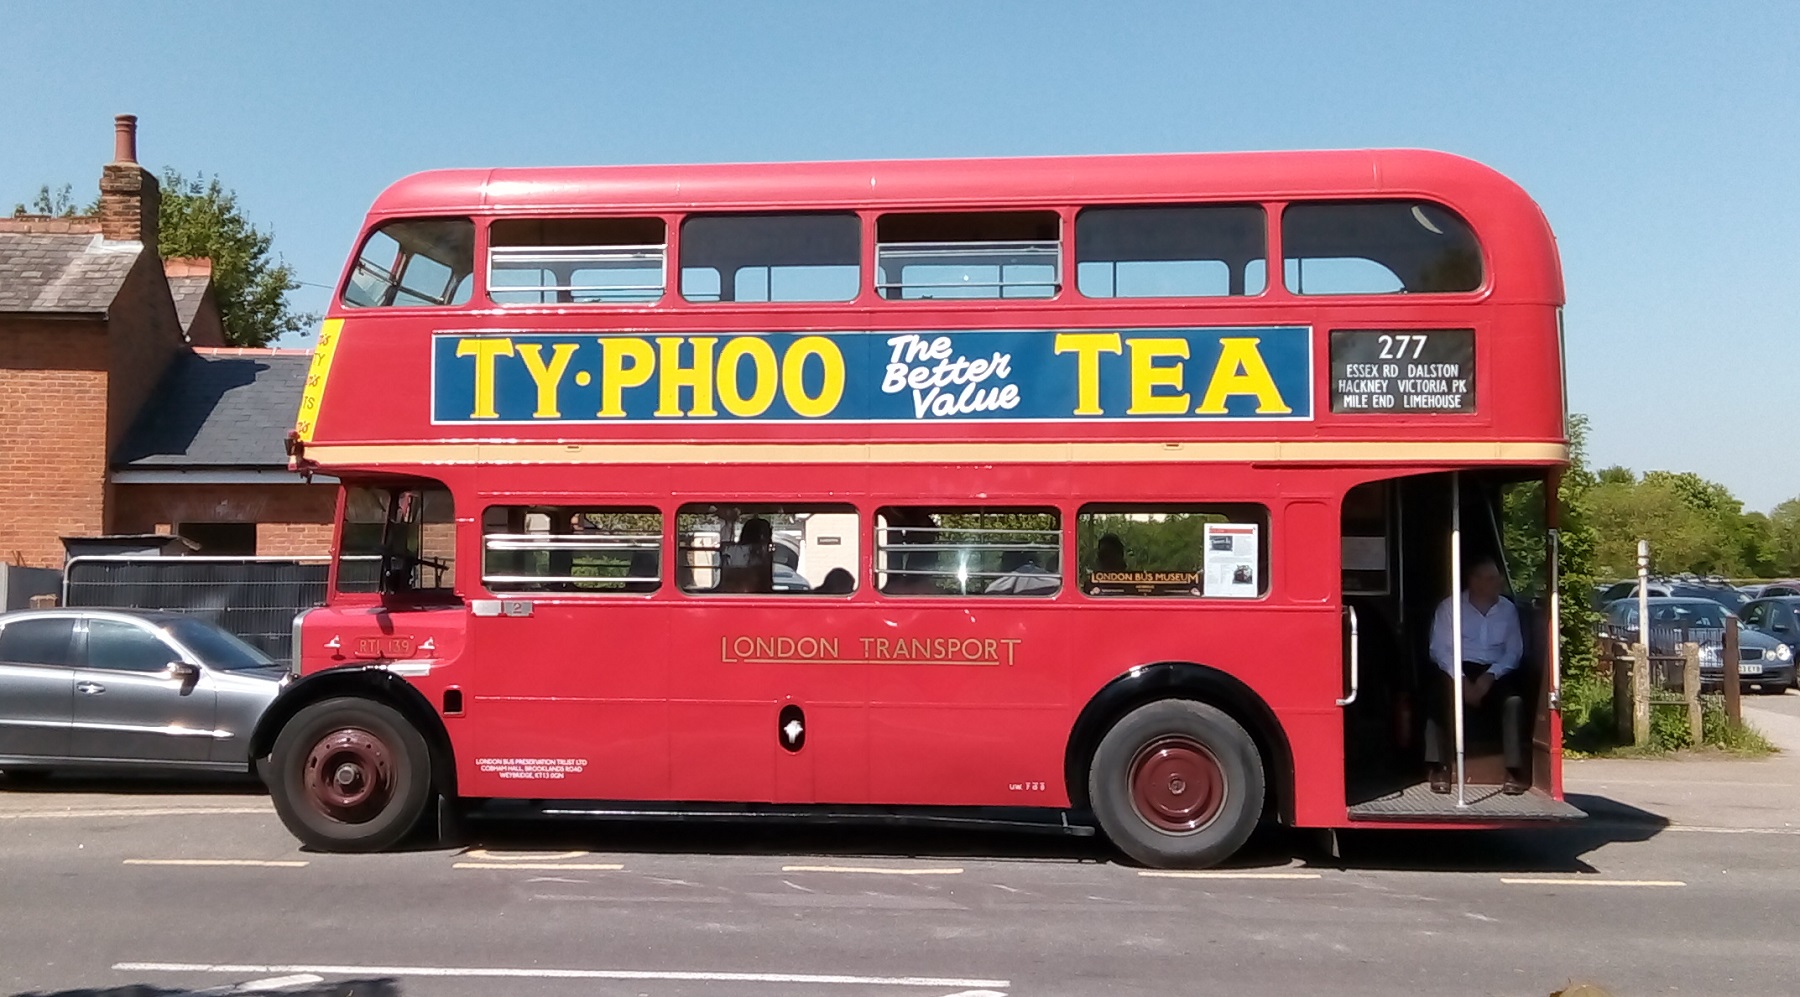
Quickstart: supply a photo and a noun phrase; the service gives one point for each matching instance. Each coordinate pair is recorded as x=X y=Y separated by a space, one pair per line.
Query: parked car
x=1717 y=590
x=1779 y=617
x=1763 y=661
x=1773 y=589
x=118 y=689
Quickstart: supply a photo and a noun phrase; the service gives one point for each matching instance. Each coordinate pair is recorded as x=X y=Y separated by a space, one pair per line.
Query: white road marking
x=875 y=870
x=1211 y=874
x=1585 y=881
x=977 y=993
x=266 y=863
x=1003 y=886
x=555 y=879
x=483 y=854
x=796 y=886
x=278 y=983
x=544 y=866
x=490 y=972
x=133 y=812
x=1703 y=829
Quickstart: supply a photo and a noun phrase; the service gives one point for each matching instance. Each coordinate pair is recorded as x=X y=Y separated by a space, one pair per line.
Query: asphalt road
x=172 y=889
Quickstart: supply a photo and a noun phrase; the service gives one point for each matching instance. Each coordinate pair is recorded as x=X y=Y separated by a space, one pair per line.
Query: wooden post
x=1618 y=664
x=1690 y=690
x=1640 y=695
x=1728 y=671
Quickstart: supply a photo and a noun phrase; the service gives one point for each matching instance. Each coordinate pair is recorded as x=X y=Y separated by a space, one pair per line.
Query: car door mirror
x=183 y=672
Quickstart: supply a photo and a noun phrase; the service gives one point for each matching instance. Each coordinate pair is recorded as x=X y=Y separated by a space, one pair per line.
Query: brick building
x=119 y=410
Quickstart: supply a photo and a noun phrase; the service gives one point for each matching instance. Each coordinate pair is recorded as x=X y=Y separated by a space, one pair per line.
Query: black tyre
x=350 y=775
x=1177 y=784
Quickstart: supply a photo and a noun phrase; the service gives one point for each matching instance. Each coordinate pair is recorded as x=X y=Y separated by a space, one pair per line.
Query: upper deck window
x=990 y=254
x=1378 y=247
x=1173 y=251
x=419 y=262
x=799 y=257
x=549 y=261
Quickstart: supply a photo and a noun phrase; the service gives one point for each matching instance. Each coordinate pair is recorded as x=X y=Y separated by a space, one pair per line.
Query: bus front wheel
x=350 y=775
x=1177 y=784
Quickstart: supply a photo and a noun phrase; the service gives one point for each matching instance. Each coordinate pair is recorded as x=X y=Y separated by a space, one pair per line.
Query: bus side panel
x=570 y=702
x=967 y=701
x=1286 y=656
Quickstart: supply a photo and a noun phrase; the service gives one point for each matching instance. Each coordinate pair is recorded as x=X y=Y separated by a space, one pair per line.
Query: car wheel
x=1177 y=783
x=350 y=775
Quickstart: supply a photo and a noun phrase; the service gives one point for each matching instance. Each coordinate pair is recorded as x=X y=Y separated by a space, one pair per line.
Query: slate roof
x=62 y=273
x=187 y=292
x=224 y=409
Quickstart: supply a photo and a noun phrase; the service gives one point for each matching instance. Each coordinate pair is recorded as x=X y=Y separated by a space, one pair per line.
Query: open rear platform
x=1485 y=803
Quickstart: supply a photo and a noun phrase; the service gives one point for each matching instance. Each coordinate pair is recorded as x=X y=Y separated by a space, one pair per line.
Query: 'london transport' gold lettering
x=756 y=649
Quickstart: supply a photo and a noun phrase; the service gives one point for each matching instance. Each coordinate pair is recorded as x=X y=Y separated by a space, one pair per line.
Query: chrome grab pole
x=1456 y=627
x=1355 y=666
x=1555 y=618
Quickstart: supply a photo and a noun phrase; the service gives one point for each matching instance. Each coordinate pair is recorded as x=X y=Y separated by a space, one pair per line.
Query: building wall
x=53 y=436
x=291 y=519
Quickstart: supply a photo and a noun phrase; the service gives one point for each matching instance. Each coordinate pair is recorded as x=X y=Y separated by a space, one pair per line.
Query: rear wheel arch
x=1182 y=680
x=375 y=684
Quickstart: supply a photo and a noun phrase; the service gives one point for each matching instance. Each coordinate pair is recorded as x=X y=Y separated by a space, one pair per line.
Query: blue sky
x=1660 y=138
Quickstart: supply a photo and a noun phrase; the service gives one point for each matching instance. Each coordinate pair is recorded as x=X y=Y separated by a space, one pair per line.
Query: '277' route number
x=1396 y=347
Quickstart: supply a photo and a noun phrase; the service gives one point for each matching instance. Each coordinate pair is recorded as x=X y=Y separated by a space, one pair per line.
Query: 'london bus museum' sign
x=890 y=377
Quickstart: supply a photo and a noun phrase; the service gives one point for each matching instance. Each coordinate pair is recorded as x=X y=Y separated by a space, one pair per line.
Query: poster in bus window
x=1231 y=561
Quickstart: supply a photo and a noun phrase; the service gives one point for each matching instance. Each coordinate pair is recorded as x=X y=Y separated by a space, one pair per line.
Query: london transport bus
x=1077 y=493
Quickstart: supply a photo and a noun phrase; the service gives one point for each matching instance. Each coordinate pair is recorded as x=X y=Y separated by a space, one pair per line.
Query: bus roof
x=1461 y=183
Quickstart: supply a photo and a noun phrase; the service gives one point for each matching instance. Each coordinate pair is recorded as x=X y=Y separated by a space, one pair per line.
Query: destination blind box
x=1402 y=371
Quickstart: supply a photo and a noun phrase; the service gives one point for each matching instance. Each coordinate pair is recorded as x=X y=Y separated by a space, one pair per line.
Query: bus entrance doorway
x=1408 y=544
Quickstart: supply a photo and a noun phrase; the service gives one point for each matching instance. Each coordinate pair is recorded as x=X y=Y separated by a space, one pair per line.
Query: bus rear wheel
x=350 y=775
x=1177 y=784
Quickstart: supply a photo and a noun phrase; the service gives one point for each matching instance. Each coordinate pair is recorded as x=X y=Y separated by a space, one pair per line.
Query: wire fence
x=254 y=598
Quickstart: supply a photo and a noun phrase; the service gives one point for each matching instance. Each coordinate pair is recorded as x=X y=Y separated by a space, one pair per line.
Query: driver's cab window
x=397 y=539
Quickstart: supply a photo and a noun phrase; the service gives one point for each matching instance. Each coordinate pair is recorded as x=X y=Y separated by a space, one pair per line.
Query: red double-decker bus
x=1076 y=492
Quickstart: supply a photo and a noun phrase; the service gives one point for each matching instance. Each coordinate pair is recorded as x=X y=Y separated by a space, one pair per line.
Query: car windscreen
x=1729 y=598
x=1689 y=615
x=215 y=647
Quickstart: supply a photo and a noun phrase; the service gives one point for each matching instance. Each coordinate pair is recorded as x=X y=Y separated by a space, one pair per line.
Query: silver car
x=115 y=689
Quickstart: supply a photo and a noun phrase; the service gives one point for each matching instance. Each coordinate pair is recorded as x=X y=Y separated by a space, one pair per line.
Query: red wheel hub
x=349 y=775
x=1177 y=785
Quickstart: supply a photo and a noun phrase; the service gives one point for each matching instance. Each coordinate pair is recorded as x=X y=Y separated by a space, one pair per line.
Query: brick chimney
x=129 y=194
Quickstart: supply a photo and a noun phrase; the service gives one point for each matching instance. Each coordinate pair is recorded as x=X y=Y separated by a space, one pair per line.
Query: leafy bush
x=1587 y=711
x=1718 y=730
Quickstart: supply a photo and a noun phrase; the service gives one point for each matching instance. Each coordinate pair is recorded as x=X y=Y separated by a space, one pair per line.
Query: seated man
x=1481 y=677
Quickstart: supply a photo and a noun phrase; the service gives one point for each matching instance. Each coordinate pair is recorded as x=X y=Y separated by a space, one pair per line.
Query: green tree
x=200 y=217
x=1682 y=538
x=1616 y=475
x=1578 y=543
x=59 y=203
x=1784 y=539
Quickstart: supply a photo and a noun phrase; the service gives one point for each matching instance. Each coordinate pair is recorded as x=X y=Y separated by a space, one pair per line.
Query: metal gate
x=255 y=598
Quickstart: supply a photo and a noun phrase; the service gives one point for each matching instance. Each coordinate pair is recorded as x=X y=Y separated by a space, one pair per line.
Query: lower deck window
x=928 y=550
x=766 y=549
x=1174 y=551
x=554 y=548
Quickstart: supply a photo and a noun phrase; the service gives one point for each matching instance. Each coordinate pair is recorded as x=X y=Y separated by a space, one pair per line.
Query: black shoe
x=1440 y=780
x=1516 y=783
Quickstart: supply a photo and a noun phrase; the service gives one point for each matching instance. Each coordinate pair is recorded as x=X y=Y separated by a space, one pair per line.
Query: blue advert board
x=1180 y=375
